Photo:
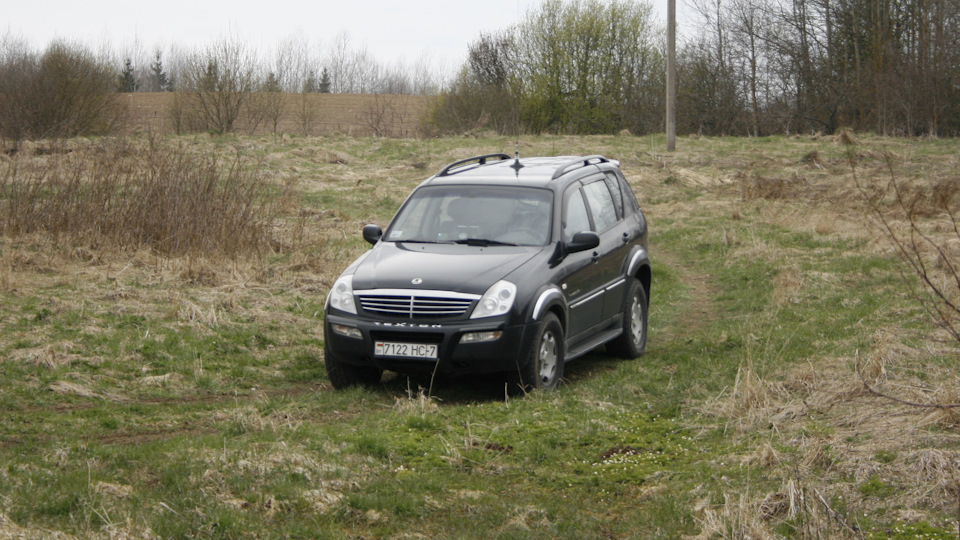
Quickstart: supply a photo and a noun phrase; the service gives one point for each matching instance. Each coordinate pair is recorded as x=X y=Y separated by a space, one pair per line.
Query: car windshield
x=474 y=215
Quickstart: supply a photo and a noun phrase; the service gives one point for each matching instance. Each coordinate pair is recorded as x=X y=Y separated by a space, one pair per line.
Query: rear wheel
x=343 y=375
x=543 y=368
x=633 y=341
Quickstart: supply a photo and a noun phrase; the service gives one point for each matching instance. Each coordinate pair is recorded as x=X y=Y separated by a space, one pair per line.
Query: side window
x=601 y=205
x=630 y=203
x=613 y=183
x=575 y=218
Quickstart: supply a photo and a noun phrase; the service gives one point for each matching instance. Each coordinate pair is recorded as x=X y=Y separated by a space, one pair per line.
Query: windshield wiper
x=482 y=242
x=419 y=241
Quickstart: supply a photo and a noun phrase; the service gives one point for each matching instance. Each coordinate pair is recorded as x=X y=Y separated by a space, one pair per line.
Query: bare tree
x=219 y=83
x=424 y=80
x=747 y=23
x=271 y=101
x=340 y=63
x=386 y=117
x=307 y=112
x=352 y=70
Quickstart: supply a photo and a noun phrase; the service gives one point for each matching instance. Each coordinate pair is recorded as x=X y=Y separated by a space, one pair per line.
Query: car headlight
x=341 y=295
x=496 y=301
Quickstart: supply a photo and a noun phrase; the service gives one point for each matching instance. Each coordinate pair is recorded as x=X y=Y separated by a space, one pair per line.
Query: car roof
x=501 y=169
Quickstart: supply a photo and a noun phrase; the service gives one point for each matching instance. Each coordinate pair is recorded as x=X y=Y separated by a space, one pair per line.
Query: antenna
x=516 y=116
x=516 y=158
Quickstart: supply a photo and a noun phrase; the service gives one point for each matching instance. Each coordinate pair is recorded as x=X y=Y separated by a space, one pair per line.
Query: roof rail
x=582 y=162
x=481 y=160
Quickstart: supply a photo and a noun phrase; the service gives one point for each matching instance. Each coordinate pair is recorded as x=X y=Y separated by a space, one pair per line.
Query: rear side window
x=613 y=183
x=601 y=205
x=575 y=217
x=630 y=203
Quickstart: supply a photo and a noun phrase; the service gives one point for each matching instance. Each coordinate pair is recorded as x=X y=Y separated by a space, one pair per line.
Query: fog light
x=346 y=331
x=480 y=337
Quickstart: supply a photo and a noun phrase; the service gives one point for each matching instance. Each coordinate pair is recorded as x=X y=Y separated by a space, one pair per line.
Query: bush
x=64 y=92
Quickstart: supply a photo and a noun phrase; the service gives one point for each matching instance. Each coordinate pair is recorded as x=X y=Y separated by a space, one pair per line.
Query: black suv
x=496 y=264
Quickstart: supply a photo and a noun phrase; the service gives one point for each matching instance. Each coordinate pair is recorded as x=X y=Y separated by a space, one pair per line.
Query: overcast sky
x=390 y=29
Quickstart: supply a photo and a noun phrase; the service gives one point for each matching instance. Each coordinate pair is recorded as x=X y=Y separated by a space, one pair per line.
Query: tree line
x=775 y=66
x=66 y=90
x=746 y=67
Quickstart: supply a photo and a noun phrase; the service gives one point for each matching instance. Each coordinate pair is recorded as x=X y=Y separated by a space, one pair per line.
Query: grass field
x=153 y=395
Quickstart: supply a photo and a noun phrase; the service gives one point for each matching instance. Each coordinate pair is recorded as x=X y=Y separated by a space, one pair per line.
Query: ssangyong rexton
x=496 y=264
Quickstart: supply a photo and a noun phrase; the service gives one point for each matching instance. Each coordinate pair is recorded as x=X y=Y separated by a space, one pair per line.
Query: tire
x=343 y=375
x=543 y=366
x=633 y=341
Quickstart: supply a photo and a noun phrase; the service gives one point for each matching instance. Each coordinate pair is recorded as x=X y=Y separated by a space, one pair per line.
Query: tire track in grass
x=149 y=432
x=699 y=309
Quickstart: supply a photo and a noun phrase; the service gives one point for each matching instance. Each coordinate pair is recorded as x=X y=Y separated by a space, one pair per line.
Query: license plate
x=405 y=350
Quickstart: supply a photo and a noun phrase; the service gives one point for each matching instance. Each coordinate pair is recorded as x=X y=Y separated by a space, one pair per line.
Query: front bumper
x=453 y=357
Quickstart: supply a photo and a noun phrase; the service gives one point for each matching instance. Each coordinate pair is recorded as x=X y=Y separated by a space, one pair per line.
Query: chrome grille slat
x=415 y=303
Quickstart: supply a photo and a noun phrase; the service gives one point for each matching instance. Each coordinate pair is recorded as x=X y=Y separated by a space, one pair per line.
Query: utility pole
x=671 y=75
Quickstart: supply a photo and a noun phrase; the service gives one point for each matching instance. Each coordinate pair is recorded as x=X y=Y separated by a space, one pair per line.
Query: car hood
x=447 y=267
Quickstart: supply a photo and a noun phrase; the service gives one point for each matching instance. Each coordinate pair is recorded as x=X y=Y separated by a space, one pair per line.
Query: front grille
x=416 y=304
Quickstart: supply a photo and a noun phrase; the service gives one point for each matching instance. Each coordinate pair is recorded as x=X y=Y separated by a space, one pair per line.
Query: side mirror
x=583 y=241
x=372 y=233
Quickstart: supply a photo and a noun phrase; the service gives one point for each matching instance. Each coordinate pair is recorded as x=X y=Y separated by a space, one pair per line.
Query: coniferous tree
x=127 y=82
x=272 y=84
x=160 y=80
x=324 y=86
x=311 y=85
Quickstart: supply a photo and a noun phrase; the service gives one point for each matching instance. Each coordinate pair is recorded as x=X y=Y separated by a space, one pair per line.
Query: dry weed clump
x=419 y=402
x=9 y=529
x=788 y=286
x=119 y=491
x=739 y=517
x=947 y=397
x=252 y=420
x=48 y=357
x=755 y=187
x=936 y=474
x=166 y=380
x=765 y=456
x=7 y=282
x=63 y=387
x=754 y=402
x=885 y=349
x=935 y=397
x=134 y=194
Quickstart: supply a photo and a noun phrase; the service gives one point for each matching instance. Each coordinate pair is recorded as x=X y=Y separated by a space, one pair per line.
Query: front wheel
x=633 y=341
x=343 y=375
x=543 y=367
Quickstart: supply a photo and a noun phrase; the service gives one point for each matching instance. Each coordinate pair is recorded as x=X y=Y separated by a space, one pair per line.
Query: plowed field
x=302 y=114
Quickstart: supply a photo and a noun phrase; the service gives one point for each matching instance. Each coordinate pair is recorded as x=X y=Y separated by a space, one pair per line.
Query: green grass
x=148 y=395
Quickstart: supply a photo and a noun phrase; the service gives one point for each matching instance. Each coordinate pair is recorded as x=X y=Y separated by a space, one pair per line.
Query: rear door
x=605 y=202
